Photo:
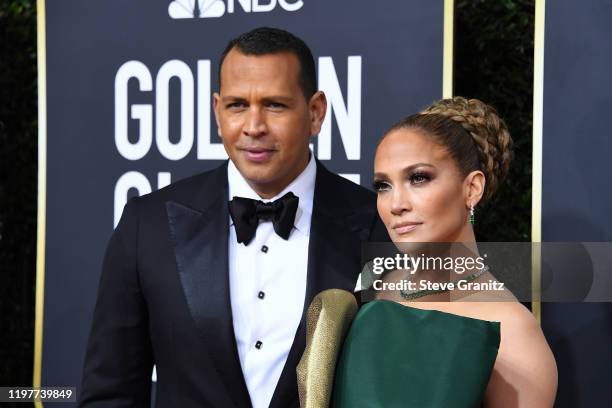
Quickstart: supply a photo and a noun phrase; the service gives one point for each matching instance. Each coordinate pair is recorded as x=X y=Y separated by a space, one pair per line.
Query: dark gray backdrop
x=577 y=186
x=400 y=45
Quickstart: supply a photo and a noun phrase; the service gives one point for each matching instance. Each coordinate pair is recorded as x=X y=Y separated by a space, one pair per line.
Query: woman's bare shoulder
x=525 y=372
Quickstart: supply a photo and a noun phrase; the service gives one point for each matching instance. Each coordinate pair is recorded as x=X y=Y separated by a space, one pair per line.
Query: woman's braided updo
x=472 y=131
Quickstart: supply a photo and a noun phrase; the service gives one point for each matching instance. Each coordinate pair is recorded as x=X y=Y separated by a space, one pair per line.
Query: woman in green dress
x=422 y=348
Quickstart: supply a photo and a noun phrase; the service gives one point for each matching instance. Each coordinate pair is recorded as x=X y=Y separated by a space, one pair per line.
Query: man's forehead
x=238 y=67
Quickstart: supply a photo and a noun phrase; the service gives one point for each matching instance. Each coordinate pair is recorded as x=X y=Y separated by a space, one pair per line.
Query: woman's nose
x=400 y=201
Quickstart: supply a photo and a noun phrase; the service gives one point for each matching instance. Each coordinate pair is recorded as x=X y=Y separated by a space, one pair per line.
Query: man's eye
x=236 y=105
x=380 y=186
x=276 y=105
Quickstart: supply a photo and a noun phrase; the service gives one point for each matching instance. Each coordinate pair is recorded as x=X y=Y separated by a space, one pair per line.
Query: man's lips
x=257 y=154
x=405 y=227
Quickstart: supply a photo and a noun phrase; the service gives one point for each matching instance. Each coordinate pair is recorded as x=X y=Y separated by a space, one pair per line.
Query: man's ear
x=216 y=109
x=317 y=106
x=474 y=187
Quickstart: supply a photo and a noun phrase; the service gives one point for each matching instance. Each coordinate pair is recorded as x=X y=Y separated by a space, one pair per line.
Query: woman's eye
x=380 y=186
x=419 y=178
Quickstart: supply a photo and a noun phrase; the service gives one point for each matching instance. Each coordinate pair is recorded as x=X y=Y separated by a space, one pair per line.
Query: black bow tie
x=246 y=214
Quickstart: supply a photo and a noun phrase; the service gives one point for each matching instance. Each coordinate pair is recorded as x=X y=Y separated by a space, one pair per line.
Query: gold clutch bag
x=329 y=317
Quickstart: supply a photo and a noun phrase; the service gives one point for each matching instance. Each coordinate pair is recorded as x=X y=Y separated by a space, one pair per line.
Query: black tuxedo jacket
x=164 y=297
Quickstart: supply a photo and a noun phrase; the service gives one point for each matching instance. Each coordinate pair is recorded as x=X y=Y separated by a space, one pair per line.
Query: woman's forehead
x=407 y=145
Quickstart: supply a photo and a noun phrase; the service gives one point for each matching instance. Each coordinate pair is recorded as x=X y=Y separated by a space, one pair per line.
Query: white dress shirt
x=268 y=286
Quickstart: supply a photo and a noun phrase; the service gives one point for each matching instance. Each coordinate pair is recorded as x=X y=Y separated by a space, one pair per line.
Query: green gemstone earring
x=472 y=215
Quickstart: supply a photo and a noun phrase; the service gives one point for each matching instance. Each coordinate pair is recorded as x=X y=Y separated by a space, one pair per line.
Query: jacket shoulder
x=341 y=187
x=191 y=191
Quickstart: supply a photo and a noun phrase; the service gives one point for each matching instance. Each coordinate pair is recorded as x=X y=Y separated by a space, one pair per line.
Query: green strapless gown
x=398 y=356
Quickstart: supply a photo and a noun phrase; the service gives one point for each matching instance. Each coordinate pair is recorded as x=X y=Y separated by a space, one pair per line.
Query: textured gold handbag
x=329 y=317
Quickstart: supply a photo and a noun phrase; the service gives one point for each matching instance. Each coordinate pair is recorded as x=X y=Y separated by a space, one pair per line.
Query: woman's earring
x=472 y=215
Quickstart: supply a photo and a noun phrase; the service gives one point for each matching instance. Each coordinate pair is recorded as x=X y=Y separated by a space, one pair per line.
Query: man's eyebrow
x=231 y=98
x=278 y=98
x=267 y=99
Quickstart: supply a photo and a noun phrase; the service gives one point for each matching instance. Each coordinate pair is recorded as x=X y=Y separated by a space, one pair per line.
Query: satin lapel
x=200 y=244
x=333 y=262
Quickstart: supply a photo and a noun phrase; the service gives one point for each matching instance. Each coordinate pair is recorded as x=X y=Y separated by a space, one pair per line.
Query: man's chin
x=260 y=174
x=261 y=179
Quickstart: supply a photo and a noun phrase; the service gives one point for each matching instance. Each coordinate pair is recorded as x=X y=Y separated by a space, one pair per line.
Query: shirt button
x=264 y=249
x=258 y=345
x=261 y=295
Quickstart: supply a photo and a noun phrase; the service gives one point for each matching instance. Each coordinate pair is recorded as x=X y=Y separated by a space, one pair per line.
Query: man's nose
x=255 y=124
x=400 y=201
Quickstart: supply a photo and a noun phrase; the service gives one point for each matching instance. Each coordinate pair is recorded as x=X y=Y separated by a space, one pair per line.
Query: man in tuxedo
x=209 y=278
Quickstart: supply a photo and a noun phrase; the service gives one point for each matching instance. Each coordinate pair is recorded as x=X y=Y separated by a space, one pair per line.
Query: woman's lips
x=405 y=228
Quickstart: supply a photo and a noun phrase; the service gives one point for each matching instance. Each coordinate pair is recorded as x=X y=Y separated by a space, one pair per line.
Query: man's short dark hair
x=267 y=40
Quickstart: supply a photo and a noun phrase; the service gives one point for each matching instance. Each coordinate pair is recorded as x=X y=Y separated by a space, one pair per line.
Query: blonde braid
x=488 y=131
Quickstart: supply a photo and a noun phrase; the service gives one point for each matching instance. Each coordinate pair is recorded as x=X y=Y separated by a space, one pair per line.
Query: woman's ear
x=474 y=186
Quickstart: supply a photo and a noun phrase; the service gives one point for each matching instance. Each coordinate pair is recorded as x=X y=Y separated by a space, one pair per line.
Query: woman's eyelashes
x=419 y=177
x=380 y=186
x=415 y=178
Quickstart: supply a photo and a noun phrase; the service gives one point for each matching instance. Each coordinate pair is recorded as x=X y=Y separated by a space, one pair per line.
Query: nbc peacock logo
x=179 y=9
